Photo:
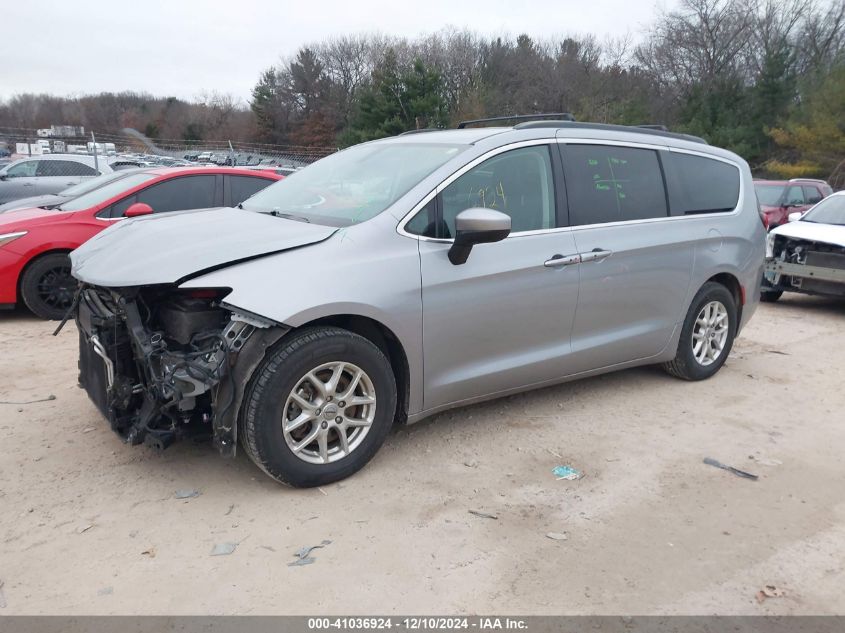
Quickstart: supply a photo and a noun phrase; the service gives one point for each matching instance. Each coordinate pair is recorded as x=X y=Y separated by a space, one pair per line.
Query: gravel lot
x=89 y=525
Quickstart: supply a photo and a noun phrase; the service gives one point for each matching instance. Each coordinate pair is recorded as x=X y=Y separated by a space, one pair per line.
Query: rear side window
x=187 y=192
x=700 y=185
x=606 y=183
x=242 y=187
x=64 y=168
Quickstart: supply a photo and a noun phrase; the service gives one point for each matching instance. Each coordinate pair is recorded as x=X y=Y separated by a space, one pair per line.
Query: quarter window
x=518 y=182
x=607 y=183
x=700 y=185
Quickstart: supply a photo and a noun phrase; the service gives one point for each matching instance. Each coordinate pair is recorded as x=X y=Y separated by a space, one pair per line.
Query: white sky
x=185 y=47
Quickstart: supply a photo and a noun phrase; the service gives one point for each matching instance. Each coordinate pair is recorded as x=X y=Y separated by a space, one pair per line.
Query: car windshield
x=353 y=185
x=769 y=195
x=106 y=192
x=829 y=211
x=91 y=184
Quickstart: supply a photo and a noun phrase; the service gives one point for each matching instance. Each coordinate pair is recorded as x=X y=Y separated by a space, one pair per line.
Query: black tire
x=47 y=286
x=770 y=296
x=685 y=365
x=260 y=422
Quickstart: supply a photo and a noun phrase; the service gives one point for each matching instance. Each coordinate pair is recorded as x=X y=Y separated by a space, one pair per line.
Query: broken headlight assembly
x=157 y=361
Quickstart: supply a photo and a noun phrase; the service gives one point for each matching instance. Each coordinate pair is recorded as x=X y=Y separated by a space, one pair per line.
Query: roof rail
x=421 y=130
x=636 y=129
x=560 y=116
x=818 y=180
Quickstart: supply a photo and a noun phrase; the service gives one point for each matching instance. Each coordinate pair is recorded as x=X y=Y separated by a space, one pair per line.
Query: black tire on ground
x=685 y=365
x=770 y=296
x=47 y=287
x=260 y=421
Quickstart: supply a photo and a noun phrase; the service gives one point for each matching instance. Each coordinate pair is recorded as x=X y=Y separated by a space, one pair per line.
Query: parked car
x=409 y=275
x=51 y=201
x=807 y=255
x=34 y=243
x=779 y=198
x=39 y=175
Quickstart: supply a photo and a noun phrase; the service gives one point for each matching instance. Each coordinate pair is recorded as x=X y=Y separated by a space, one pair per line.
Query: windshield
x=829 y=211
x=353 y=185
x=106 y=192
x=91 y=184
x=769 y=195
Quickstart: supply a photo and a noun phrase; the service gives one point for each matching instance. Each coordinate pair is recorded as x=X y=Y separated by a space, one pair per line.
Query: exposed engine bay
x=807 y=266
x=160 y=363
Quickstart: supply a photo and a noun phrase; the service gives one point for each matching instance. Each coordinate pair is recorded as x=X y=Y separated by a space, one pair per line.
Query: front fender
x=341 y=276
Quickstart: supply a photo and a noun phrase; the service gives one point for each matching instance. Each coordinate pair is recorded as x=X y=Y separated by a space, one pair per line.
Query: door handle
x=595 y=255
x=558 y=261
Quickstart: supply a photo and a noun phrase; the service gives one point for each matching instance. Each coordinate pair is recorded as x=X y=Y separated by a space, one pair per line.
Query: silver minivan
x=413 y=274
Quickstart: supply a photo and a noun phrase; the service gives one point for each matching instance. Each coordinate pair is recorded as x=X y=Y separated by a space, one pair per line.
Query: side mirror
x=794 y=216
x=477 y=226
x=136 y=209
x=4 y=176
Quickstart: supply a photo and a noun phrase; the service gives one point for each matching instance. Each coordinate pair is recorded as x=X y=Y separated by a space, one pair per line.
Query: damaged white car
x=807 y=255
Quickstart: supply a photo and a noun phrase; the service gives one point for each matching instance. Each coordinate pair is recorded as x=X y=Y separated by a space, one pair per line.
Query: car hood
x=171 y=247
x=802 y=230
x=47 y=200
x=23 y=219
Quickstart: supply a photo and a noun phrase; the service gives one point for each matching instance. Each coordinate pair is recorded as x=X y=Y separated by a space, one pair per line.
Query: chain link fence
x=21 y=142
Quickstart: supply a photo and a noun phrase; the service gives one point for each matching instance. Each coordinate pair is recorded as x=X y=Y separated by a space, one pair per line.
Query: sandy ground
x=89 y=525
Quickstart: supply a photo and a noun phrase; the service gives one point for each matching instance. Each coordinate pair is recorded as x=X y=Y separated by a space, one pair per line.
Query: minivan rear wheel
x=707 y=336
x=319 y=407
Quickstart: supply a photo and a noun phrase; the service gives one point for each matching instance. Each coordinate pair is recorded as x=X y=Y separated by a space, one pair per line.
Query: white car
x=41 y=175
x=807 y=254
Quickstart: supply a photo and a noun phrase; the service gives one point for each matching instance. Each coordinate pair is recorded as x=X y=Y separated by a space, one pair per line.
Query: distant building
x=61 y=130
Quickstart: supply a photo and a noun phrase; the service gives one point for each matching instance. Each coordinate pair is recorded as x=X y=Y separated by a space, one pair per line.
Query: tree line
x=764 y=78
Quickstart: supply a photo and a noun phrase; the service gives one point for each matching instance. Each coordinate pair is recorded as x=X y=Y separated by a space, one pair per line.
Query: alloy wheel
x=329 y=412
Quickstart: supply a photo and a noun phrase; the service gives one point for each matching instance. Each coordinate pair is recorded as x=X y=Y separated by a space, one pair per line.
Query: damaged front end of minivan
x=162 y=363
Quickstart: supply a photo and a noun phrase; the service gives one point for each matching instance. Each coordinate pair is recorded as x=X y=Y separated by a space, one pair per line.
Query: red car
x=779 y=198
x=34 y=243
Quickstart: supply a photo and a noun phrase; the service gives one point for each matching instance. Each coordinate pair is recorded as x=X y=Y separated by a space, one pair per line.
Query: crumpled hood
x=827 y=233
x=166 y=248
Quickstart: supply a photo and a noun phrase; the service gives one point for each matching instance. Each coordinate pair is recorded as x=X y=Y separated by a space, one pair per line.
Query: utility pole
x=94 y=142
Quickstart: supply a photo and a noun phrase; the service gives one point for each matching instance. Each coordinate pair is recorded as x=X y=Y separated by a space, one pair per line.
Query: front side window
x=187 y=192
x=811 y=194
x=518 y=183
x=22 y=170
x=606 y=183
x=794 y=196
x=354 y=185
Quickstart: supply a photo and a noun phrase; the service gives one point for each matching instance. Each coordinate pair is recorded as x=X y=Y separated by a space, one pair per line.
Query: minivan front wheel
x=319 y=407
x=707 y=335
